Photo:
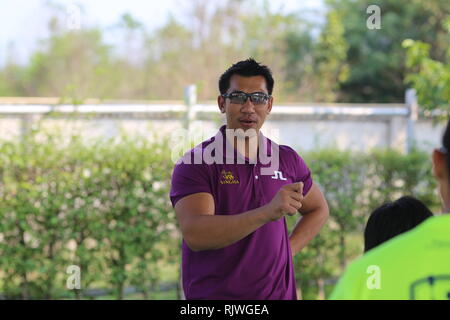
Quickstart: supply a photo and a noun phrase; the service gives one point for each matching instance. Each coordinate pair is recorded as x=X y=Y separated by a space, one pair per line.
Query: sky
x=24 y=22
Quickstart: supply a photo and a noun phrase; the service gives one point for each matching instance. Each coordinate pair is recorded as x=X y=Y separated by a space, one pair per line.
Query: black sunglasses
x=239 y=97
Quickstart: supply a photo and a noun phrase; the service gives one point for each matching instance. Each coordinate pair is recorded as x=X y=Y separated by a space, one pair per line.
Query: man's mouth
x=248 y=122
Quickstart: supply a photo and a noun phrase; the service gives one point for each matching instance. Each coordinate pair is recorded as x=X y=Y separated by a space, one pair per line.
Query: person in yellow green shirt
x=414 y=265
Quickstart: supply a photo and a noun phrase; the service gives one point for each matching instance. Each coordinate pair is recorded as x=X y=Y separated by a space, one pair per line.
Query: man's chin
x=249 y=130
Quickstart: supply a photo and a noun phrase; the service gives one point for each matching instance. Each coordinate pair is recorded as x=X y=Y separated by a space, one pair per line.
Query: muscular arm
x=315 y=213
x=203 y=230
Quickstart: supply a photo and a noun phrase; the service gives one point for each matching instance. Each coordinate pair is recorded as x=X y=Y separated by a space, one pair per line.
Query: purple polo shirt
x=259 y=266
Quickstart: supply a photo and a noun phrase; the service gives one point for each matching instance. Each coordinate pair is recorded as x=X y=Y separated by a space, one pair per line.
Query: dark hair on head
x=392 y=219
x=246 y=68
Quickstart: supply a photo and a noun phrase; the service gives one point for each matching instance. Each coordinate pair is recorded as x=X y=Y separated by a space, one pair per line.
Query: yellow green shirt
x=413 y=265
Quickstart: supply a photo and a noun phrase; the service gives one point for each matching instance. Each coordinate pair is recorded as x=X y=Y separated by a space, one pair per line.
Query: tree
x=74 y=65
x=376 y=58
x=430 y=78
x=330 y=59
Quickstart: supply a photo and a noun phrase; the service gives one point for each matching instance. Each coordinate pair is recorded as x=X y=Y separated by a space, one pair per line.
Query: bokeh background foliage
x=103 y=205
x=322 y=56
x=100 y=205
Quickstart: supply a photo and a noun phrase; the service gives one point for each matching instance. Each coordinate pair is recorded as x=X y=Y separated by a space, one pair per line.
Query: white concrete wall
x=301 y=134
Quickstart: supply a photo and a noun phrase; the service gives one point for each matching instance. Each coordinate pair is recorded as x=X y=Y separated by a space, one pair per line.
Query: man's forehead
x=247 y=84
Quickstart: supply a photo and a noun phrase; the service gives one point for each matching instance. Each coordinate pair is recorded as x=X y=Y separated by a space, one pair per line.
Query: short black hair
x=246 y=68
x=392 y=219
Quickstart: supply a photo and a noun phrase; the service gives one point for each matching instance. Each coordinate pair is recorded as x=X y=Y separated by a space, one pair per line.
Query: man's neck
x=247 y=146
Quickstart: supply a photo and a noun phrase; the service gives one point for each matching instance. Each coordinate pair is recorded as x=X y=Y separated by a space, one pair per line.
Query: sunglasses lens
x=241 y=98
x=238 y=98
x=259 y=98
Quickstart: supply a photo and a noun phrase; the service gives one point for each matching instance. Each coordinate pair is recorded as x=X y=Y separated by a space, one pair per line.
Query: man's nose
x=248 y=107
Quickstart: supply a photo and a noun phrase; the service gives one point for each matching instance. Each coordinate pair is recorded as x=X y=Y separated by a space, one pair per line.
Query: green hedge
x=103 y=205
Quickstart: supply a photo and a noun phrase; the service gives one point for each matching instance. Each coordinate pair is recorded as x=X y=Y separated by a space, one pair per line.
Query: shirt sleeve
x=301 y=172
x=188 y=179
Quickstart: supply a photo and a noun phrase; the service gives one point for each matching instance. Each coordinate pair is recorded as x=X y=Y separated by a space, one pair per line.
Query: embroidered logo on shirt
x=228 y=178
x=278 y=175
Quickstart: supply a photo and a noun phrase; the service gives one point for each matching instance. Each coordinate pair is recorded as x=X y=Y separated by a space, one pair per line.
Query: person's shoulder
x=390 y=261
x=383 y=258
x=398 y=250
x=440 y=221
x=290 y=155
x=287 y=151
x=415 y=239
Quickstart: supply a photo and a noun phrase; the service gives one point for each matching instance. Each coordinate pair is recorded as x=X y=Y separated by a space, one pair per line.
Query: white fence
x=302 y=126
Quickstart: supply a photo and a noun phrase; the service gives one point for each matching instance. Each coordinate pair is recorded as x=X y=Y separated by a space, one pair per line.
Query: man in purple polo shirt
x=231 y=193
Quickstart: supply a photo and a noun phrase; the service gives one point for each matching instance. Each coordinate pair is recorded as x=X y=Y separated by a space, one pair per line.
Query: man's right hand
x=288 y=200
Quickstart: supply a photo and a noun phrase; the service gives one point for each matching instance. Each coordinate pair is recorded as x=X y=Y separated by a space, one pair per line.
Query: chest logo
x=228 y=178
x=278 y=175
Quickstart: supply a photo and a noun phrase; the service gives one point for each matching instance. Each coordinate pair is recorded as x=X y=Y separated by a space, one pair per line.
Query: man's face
x=248 y=115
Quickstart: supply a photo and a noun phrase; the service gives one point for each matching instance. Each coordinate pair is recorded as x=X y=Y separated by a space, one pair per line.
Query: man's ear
x=221 y=104
x=439 y=164
x=269 y=108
